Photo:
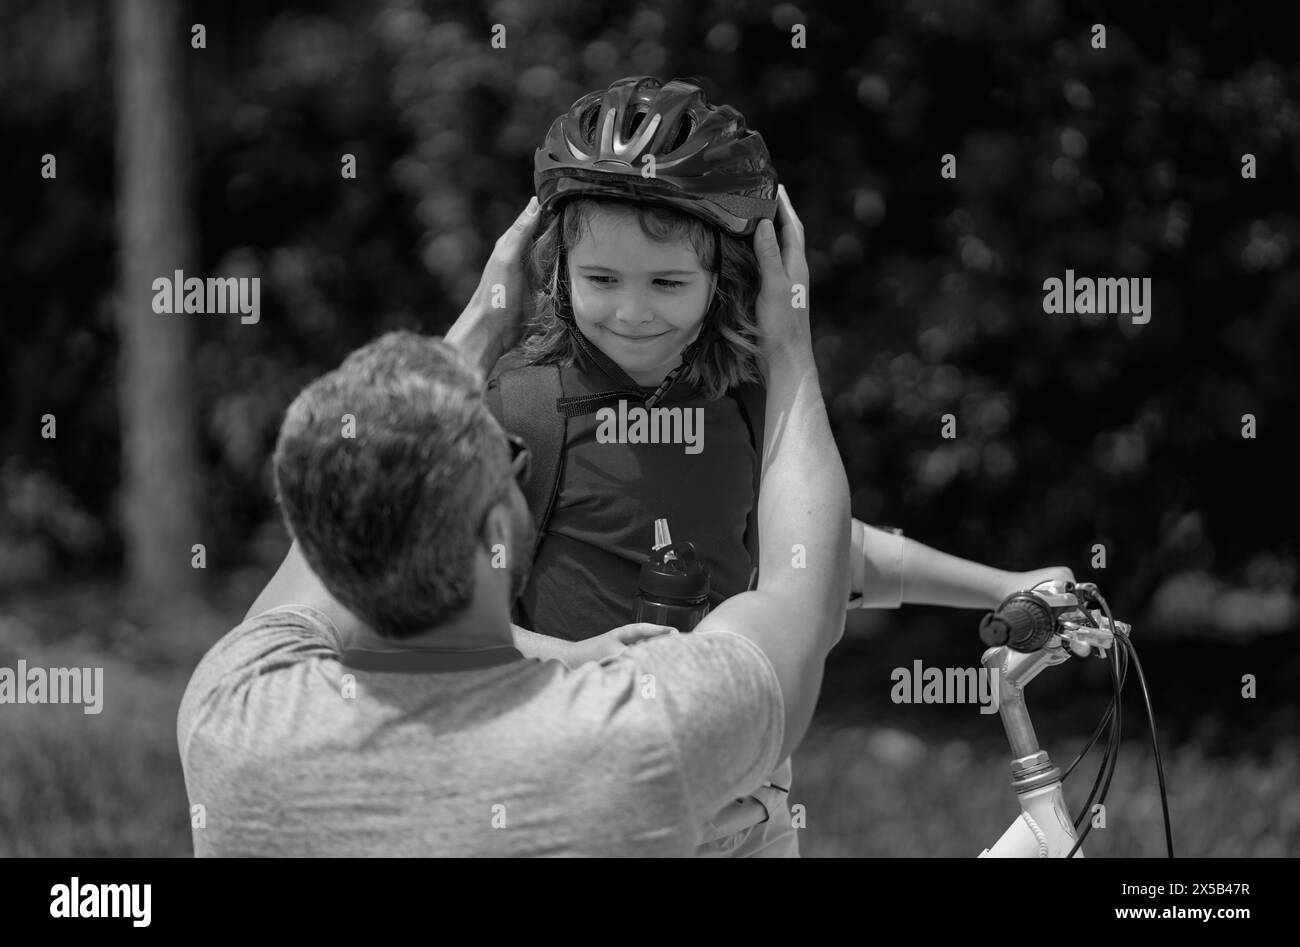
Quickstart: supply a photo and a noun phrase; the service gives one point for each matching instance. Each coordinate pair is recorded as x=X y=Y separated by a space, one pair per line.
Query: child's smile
x=639 y=339
x=639 y=301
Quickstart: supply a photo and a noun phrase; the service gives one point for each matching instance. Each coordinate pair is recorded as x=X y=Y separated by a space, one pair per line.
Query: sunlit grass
x=95 y=785
x=882 y=792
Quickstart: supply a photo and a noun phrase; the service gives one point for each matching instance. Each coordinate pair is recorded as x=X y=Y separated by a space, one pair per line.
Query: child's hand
x=612 y=642
x=505 y=268
x=1023 y=581
x=782 y=313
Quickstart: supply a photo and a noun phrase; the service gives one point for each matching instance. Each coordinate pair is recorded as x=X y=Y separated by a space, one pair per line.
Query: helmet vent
x=684 y=129
x=588 y=123
x=637 y=118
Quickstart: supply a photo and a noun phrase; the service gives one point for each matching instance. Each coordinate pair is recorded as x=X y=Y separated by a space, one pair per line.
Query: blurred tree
x=1074 y=434
x=159 y=452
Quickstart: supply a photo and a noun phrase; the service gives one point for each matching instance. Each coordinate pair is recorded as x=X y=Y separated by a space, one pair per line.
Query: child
x=647 y=279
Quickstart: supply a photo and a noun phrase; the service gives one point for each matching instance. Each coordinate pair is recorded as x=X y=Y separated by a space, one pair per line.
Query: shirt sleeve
x=720 y=700
x=276 y=638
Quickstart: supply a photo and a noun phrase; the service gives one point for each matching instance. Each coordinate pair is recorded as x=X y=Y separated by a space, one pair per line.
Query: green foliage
x=1072 y=431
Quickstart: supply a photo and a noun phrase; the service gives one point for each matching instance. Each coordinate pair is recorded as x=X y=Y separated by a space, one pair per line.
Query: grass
x=886 y=793
x=106 y=785
x=82 y=785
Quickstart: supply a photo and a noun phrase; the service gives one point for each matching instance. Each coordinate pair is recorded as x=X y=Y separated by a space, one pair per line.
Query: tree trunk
x=159 y=446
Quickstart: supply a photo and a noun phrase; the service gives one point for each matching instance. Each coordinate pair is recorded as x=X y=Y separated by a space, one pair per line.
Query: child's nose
x=634 y=311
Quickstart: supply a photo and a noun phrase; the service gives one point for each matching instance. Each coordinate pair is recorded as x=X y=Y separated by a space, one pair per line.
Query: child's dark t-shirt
x=584 y=578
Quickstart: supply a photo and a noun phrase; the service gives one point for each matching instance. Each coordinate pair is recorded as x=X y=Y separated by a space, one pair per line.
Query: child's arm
x=889 y=570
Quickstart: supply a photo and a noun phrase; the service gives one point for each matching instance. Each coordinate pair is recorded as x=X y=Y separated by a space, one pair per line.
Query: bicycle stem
x=1023 y=645
x=1043 y=828
x=1030 y=765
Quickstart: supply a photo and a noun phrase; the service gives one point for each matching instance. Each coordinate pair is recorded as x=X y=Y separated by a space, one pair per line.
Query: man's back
x=290 y=756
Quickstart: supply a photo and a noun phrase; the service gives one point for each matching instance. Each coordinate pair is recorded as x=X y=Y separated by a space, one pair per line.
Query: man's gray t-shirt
x=293 y=753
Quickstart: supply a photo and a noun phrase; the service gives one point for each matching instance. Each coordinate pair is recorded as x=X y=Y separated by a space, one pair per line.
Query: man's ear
x=496 y=528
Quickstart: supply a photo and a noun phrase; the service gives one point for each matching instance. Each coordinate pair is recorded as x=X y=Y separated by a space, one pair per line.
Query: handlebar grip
x=1022 y=623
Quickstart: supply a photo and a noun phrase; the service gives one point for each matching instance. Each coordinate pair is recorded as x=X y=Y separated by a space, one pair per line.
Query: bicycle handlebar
x=1026 y=621
x=1036 y=623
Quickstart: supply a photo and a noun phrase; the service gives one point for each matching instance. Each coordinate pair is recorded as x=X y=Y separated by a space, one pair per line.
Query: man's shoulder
x=294 y=626
x=280 y=636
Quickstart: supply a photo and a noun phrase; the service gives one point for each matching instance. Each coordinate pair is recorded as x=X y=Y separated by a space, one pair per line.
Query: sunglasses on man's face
x=521 y=463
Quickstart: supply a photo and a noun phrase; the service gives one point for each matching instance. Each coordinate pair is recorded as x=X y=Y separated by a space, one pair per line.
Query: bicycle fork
x=1044 y=829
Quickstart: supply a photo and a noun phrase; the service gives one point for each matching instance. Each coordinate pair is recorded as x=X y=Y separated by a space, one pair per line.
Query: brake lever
x=1100 y=634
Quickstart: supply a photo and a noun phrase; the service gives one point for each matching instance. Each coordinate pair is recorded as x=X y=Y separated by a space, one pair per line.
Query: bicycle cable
x=1105 y=720
x=1119 y=656
x=1127 y=644
x=1155 y=749
x=1111 y=758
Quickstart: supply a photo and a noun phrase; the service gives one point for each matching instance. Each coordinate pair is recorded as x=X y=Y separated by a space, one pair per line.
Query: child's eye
x=666 y=283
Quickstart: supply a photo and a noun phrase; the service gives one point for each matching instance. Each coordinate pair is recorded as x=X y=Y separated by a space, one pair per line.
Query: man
x=378 y=700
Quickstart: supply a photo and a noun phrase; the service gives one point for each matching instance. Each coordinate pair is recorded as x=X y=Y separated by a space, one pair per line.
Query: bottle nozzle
x=663 y=538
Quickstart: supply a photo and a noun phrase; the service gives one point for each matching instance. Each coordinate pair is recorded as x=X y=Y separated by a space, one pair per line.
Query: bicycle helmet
x=707 y=163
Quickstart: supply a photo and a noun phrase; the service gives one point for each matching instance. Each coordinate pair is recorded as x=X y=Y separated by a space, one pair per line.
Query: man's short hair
x=385 y=469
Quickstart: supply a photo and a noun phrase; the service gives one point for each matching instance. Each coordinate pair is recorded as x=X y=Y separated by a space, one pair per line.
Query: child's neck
x=649 y=379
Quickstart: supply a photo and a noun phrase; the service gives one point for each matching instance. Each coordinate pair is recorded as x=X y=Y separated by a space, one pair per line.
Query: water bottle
x=673 y=588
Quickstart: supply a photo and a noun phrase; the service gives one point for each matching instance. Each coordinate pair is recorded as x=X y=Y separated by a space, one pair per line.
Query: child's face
x=638 y=301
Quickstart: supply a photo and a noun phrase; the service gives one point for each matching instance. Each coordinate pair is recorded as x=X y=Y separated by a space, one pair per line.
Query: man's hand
x=612 y=642
x=483 y=332
x=740 y=815
x=783 y=268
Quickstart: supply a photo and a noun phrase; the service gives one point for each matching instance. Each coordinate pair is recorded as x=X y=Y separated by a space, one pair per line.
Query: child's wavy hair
x=729 y=352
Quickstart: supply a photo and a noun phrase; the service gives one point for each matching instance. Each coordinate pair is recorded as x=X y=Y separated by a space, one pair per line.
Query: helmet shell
x=707 y=163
